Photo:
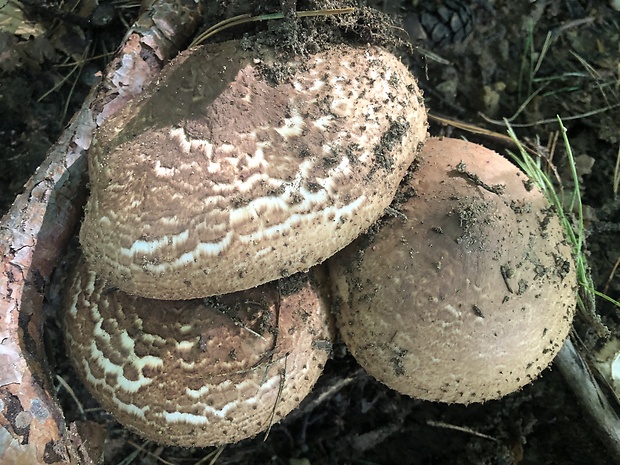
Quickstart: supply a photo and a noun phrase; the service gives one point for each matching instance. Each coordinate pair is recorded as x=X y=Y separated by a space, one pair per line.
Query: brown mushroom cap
x=218 y=179
x=198 y=372
x=471 y=296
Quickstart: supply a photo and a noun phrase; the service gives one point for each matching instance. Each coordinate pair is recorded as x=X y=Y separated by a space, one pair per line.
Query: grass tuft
x=571 y=215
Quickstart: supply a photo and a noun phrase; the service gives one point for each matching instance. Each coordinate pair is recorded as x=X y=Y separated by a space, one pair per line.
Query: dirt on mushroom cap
x=471 y=296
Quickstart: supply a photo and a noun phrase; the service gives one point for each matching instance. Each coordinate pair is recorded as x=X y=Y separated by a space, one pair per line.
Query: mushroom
x=199 y=372
x=219 y=179
x=469 y=292
x=242 y=166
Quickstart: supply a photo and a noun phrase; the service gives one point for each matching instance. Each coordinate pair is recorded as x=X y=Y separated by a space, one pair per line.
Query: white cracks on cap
x=292 y=126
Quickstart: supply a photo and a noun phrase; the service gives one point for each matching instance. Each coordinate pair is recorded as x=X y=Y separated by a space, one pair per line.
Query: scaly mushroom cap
x=471 y=296
x=198 y=372
x=218 y=180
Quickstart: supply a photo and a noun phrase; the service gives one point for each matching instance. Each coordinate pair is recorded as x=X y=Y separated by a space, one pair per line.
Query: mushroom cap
x=198 y=372
x=471 y=296
x=218 y=179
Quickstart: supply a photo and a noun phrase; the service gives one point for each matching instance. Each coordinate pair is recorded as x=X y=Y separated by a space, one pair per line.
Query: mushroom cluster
x=240 y=168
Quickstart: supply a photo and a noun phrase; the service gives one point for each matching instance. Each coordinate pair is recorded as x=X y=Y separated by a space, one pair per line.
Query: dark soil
x=526 y=61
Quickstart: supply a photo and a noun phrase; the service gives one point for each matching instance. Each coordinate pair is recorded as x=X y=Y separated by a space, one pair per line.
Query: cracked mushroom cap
x=198 y=372
x=472 y=295
x=243 y=166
